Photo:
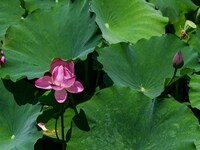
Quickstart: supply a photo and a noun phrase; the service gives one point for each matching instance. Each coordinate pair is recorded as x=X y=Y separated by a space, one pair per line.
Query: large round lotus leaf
x=10 y=12
x=121 y=118
x=174 y=9
x=145 y=65
x=64 y=31
x=194 y=91
x=17 y=123
x=130 y=21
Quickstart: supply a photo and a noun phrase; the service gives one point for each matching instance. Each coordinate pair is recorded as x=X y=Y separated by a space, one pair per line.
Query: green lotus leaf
x=145 y=65
x=32 y=5
x=23 y=91
x=18 y=123
x=197 y=144
x=194 y=40
x=122 y=118
x=130 y=21
x=194 y=91
x=174 y=9
x=11 y=13
x=63 y=31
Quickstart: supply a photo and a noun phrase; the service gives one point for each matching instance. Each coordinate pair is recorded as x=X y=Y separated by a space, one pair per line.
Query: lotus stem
x=56 y=123
x=62 y=129
x=74 y=106
x=175 y=71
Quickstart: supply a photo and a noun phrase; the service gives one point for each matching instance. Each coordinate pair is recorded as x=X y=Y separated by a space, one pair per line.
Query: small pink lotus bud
x=2 y=52
x=2 y=60
x=178 y=60
x=42 y=126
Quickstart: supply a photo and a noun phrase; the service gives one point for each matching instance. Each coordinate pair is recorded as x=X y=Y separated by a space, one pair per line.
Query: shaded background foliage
x=123 y=55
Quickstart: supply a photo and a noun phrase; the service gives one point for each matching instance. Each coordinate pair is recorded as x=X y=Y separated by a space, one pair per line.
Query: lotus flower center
x=13 y=137
x=142 y=89
x=107 y=25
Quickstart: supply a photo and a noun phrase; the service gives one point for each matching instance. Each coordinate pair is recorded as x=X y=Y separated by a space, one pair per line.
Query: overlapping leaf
x=130 y=21
x=174 y=9
x=23 y=91
x=64 y=31
x=18 y=123
x=145 y=65
x=194 y=40
x=10 y=12
x=32 y=5
x=194 y=91
x=197 y=144
x=121 y=118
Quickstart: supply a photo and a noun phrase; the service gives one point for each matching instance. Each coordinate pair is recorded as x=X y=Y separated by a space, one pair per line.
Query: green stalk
x=175 y=71
x=74 y=106
x=62 y=130
x=97 y=80
x=56 y=129
x=176 y=90
x=86 y=75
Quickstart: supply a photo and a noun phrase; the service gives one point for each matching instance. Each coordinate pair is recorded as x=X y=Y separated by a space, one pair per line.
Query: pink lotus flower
x=2 y=58
x=62 y=80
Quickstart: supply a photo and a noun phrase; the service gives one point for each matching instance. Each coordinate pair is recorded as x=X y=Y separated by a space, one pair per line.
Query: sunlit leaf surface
x=121 y=118
x=65 y=31
x=130 y=21
x=145 y=65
